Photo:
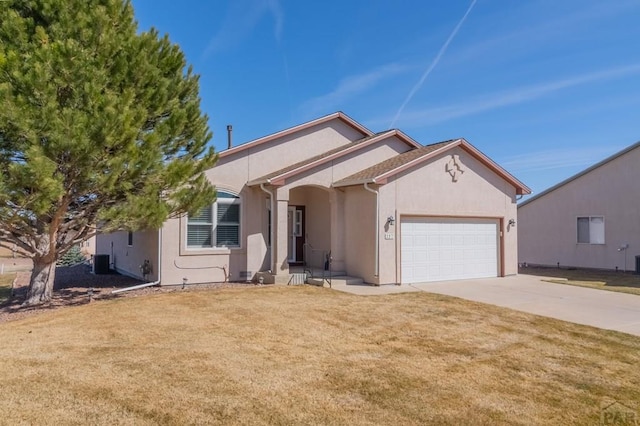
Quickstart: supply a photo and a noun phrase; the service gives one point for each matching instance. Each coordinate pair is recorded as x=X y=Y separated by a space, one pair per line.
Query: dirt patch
x=76 y=285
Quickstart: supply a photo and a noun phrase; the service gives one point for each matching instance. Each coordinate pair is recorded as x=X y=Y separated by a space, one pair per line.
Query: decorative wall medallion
x=454 y=167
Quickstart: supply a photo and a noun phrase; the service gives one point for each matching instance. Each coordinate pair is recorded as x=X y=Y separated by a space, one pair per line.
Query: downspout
x=135 y=287
x=271 y=200
x=366 y=186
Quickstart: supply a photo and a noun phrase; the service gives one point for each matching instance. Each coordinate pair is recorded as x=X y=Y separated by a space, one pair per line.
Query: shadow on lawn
x=74 y=285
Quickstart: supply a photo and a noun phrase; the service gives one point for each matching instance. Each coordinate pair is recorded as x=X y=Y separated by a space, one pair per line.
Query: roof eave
x=580 y=174
x=279 y=179
x=385 y=176
x=256 y=142
x=521 y=188
x=354 y=183
x=407 y=138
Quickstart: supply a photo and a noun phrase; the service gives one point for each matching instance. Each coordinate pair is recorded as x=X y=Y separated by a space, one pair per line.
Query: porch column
x=281 y=243
x=336 y=202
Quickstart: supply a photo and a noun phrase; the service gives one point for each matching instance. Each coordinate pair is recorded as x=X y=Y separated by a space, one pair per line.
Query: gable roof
x=278 y=177
x=381 y=172
x=335 y=116
x=582 y=173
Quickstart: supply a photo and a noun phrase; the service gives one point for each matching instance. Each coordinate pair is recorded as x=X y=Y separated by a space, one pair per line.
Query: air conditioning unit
x=101 y=264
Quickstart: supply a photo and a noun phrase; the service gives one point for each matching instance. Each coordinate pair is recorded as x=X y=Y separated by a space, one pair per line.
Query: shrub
x=72 y=257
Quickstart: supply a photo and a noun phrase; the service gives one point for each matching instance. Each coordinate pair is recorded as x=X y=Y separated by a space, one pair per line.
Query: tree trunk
x=41 y=283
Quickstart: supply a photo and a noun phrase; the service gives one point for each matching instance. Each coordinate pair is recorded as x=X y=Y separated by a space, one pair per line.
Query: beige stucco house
x=381 y=206
x=591 y=220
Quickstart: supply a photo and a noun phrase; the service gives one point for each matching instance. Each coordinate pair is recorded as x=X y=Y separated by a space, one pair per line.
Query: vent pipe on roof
x=229 y=131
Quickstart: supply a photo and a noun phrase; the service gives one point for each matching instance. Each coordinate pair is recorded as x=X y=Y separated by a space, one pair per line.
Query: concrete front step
x=336 y=280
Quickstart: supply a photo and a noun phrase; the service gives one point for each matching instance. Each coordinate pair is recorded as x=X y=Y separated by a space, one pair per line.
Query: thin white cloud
x=241 y=19
x=434 y=63
x=350 y=87
x=532 y=29
x=581 y=157
x=278 y=16
x=510 y=97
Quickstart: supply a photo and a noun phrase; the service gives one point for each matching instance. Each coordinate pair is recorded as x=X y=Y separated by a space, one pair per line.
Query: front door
x=295 y=224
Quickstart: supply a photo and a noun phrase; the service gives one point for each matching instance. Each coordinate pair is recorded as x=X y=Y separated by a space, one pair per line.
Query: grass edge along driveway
x=622 y=282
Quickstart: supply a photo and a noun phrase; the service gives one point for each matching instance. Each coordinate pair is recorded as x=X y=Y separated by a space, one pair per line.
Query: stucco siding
x=359 y=216
x=430 y=191
x=361 y=159
x=547 y=226
x=217 y=264
x=337 y=219
x=266 y=158
x=325 y=174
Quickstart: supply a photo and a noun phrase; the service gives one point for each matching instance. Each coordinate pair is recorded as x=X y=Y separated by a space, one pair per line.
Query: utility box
x=637 y=265
x=101 y=264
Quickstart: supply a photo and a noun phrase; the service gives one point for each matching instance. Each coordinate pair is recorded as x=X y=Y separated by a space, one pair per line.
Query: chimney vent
x=229 y=131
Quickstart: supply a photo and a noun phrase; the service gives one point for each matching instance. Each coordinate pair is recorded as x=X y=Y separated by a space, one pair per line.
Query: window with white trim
x=217 y=225
x=591 y=229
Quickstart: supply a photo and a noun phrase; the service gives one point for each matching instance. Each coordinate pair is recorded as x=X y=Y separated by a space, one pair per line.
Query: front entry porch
x=307 y=234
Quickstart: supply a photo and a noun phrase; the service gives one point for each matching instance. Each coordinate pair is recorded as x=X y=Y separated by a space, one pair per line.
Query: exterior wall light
x=512 y=222
x=391 y=220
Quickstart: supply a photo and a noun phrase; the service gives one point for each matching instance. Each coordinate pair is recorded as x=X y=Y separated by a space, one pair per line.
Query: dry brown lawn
x=308 y=355
x=623 y=282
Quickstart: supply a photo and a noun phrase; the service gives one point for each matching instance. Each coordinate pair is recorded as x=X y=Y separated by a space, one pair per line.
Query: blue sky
x=544 y=87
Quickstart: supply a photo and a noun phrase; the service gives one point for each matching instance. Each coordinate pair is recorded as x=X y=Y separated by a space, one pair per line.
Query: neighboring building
x=388 y=209
x=591 y=220
x=88 y=247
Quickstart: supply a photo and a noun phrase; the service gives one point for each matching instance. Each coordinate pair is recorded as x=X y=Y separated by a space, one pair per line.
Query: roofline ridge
x=293 y=129
x=581 y=173
x=410 y=163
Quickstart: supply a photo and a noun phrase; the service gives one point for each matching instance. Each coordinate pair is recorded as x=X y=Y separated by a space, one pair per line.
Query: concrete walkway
x=527 y=293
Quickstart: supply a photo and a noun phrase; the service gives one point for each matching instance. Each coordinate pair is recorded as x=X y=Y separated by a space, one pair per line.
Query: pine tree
x=99 y=123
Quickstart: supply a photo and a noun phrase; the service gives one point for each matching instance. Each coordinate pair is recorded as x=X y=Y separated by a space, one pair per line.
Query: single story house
x=591 y=220
x=380 y=206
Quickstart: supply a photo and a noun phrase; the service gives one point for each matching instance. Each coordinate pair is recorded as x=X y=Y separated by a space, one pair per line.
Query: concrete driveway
x=527 y=293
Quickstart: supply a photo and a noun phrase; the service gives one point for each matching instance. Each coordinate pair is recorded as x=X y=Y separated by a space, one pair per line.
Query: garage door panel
x=438 y=249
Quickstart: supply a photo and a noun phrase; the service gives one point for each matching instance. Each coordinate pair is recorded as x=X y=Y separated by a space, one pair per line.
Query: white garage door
x=439 y=249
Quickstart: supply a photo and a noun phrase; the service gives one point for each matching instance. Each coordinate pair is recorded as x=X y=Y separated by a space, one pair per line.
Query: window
x=591 y=229
x=217 y=225
x=130 y=239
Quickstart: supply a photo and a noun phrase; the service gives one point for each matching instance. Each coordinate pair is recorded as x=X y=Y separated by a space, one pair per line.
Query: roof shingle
x=393 y=163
